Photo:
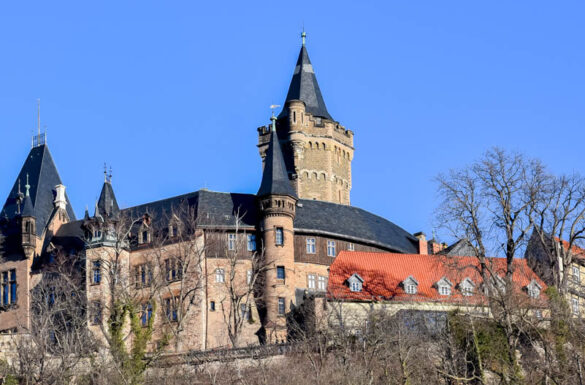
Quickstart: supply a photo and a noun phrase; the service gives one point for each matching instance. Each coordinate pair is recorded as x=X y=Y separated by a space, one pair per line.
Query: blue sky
x=171 y=93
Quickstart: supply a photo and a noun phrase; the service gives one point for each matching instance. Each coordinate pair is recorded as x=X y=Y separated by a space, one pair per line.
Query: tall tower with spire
x=317 y=149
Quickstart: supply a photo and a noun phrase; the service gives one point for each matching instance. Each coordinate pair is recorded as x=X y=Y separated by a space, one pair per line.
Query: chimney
x=60 y=202
x=423 y=247
x=435 y=246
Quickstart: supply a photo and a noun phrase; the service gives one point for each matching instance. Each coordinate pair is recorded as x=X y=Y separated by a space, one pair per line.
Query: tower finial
x=273 y=118
x=110 y=175
x=27 y=186
x=105 y=172
x=39 y=116
x=303 y=35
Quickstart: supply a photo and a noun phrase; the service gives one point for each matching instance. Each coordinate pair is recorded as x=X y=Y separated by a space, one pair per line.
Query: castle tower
x=277 y=200
x=318 y=150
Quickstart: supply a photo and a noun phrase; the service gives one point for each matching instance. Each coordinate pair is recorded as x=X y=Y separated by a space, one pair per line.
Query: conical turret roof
x=275 y=177
x=107 y=203
x=304 y=87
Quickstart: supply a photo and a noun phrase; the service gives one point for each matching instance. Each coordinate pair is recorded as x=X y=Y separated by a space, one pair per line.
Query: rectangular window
x=244 y=311
x=311 y=281
x=13 y=286
x=281 y=306
x=410 y=289
x=249 y=276
x=143 y=275
x=331 y=248
x=311 y=249
x=575 y=305
x=96 y=272
x=279 y=236
x=251 y=242
x=220 y=275
x=96 y=313
x=171 y=309
x=322 y=283
x=576 y=274
x=212 y=306
x=232 y=242
x=146 y=314
x=445 y=290
x=280 y=274
x=5 y=291
x=174 y=269
x=351 y=247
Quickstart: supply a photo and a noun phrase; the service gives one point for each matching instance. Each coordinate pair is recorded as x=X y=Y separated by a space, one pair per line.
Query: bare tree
x=241 y=276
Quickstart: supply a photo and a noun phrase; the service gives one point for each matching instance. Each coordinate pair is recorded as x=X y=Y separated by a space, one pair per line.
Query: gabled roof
x=275 y=177
x=304 y=87
x=107 y=204
x=383 y=274
x=43 y=177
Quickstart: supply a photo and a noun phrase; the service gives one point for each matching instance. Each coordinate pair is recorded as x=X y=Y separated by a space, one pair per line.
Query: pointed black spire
x=27 y=207
x=304 y=87
x=107 y=204
x=275 y=177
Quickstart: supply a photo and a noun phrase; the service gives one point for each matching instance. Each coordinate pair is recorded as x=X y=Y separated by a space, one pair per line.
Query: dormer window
x=467 y=287
x=410 y=285
x=533 y=289
x=355 y=282
x=444 y=286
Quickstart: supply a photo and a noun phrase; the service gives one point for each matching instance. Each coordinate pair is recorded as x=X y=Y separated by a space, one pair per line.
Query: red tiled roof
x=383 y=274
x=575 y=250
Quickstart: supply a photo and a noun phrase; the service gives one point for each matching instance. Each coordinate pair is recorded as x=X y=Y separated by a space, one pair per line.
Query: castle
x=255 y=254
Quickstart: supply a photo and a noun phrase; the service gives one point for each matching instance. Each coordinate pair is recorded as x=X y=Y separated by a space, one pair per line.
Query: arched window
x=324 y=176
x=311 y=145
x=317 y=145
x=324 y=147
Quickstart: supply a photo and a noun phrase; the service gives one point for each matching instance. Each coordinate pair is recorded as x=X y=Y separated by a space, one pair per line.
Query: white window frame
x=351 y=246
x=410 y=288
x=231 y=239
x=311 y=281
x=444 y=290
x=249 y=274
x=220 y=275
x=355 y=286
x=311 y=245
x=331 y=249
x=576 y=274
x=251 y=244
x=575 y=306
x=322 y=283
x=281 y=304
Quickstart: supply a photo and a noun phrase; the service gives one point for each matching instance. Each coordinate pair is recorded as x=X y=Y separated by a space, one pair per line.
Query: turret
x=277 y=200
x=28 y=224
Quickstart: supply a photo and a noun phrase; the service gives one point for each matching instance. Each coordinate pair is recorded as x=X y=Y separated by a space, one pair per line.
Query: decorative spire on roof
x=107 y=204
x=304 y=86
x=27 y=207
x=275 y=177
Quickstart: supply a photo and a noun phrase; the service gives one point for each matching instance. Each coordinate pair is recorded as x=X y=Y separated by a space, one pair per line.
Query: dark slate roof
x=107 y=204
x=43 y=177
x=217 y=209
x=352 y=222
x=304 y=86
x=275 y=177
x=461 y=248
x=27 y=207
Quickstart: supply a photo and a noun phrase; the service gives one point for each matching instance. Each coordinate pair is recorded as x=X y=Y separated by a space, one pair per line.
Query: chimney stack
x=423 y=247
x=60 y=202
